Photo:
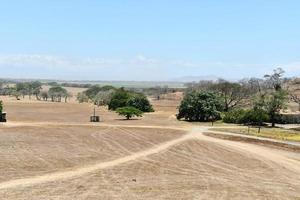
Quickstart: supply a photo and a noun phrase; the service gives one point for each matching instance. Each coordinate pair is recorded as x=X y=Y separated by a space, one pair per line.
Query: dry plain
x=50 y=151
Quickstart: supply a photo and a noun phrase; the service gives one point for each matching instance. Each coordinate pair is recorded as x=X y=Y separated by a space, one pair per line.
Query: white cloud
x=53 y=61
x=139 y=67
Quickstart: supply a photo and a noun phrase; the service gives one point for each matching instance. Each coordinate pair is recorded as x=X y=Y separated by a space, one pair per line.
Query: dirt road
x=285 y=167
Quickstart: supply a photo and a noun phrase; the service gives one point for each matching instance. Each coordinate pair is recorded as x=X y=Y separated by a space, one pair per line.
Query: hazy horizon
x=148 y=41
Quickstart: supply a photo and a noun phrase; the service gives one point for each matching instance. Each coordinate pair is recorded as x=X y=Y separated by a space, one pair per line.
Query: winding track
x=193 y=134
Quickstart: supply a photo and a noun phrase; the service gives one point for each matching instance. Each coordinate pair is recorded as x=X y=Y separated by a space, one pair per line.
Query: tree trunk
x=273 y=123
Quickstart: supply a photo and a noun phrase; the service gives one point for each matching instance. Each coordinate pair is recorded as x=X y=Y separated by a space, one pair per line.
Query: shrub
x=255 y=117
x=140 y=102
x=288 y=119
x=200 y=106
x=129 y=112
x=235 y=116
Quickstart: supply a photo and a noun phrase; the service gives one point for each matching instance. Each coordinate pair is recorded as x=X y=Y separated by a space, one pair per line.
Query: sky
x=153 y=40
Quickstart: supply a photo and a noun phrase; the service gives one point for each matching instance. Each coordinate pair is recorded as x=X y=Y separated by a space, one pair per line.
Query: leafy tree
x=140 y=102
x=200 y=106
x=254 y=117
x=234 y=116
x=53 y=84
x=275 y=102
x=22 y=89
x=57 y=93
x=129 y=112
x=232 y=94
x=95 y=89
x=103 y=97
x=36 y=87
x=119 y=99
x=276 y=98
x=82 y=97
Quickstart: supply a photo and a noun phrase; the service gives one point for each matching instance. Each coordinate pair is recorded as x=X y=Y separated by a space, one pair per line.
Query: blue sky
x=148 y=40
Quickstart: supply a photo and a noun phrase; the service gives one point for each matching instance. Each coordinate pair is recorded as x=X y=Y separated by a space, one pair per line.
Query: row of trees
x=124 y=102
x=115 y=98
x=22 y=89
x=263 y=98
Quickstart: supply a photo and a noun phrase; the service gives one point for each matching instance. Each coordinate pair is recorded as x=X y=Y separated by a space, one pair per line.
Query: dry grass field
x=50 y=151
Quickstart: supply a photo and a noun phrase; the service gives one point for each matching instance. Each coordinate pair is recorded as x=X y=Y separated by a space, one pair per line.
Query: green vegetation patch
x=274 y=133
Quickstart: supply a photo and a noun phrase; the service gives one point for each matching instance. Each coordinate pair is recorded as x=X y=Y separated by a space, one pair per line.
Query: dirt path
x=274 y=158
x=84 y=170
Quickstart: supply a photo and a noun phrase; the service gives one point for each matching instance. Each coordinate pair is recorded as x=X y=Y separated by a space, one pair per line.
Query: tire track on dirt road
x=88 y=169
x=273 y=158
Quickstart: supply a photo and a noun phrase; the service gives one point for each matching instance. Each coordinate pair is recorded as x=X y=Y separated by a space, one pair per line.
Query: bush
x=200 y=106
x=288 y=119
x=235 y=116
x=140 y=102
x=129 y=112
x=255 y=117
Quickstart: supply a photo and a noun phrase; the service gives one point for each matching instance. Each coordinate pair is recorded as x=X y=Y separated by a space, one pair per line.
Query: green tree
x=22 y=89
x=274 y=103
x=129 y=112
x=276 y=97
x=119 y=99
x=57 y=93
x=140 y=102
x=234 y=116
x=36 y=88
x=95 y=89
x=200 y=106
x=82 y=97
x=254 y=117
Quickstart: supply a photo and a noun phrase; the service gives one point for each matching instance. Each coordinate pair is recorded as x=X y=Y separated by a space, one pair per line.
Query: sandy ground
x=51 y=151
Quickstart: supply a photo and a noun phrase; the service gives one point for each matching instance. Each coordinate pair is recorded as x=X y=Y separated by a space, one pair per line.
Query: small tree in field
x=129 y=112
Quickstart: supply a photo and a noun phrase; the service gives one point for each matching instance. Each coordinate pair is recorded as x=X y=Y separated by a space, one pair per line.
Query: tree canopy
x=119 y=99
x=57 y=93
x=200 y=106
x=140 y=102
x=129 y=112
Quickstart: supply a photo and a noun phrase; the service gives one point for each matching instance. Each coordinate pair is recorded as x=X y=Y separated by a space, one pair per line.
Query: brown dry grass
x=150 y=158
